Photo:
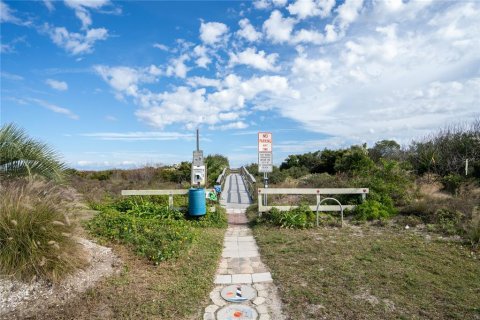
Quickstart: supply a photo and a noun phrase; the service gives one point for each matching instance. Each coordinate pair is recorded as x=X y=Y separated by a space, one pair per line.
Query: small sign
x=265 y=155
x=198 y=175
x=265 y=168
x=218 y=188
x=265 y=158
x=264 y=142
x=198 y=158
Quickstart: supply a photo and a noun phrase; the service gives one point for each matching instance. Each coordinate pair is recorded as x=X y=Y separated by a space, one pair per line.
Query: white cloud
x=311 y=8
x=140 y=136
x=203 y=82
x=213 y=32
x=399 y=79
x=177 y=67
x=7 y=15
x=76 y=43
x=126 y=80
x=311 y=69
x=308 y=36
x=10 y=76
x=52 y=107
x=57 y=85
x=161 y=46
x=229 y=126
x=277 y=28
x=260 y=60
x=49 y=5
x=348 y=12
x=81 y=8
x=266 y=4
x=247 y=31
x=203 y=60
x=192 y=107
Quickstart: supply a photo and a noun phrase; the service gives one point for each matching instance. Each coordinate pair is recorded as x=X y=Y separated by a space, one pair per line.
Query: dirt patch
x=19 y=299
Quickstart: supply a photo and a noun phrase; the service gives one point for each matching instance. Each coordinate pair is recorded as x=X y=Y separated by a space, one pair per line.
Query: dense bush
x=35 y=231
x=296 y=218
x=373 y=210
x=452 y=182
x=151 y=228
x=155 y=238
x=215 y=165
x=445 y=152
x=385 y=149
x=354 y=160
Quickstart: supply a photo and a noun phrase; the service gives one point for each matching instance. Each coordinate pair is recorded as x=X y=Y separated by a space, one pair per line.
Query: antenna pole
x=198 y=142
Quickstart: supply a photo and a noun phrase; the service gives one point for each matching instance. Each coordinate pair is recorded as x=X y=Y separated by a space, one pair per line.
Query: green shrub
x=35 y=232
x=373 y=210
x=152 y=237
x=448 y=221
x=301 y=217
x=216 y=218
x=101 y=175
x=472 y=229
x=452 y=182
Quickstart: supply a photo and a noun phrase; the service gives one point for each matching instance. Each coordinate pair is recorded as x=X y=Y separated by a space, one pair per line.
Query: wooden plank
x=313 y=191
x=262 y=208
x=153 y=192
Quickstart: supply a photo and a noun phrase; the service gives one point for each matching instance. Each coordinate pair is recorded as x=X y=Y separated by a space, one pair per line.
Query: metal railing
x=250 y=182
x=263 y=192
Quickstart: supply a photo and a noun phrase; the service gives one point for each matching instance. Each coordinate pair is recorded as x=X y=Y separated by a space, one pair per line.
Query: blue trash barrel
x=196 y=202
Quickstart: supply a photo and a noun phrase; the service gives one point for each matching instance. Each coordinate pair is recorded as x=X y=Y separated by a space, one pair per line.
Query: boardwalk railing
x=222 y=177
x=250 y=182
x=170 y=194
x=319 y=192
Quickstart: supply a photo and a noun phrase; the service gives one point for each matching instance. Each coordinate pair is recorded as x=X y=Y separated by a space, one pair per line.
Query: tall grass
x=35 y=231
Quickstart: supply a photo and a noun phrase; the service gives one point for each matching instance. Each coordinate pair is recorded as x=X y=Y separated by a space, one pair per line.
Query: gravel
x=19 y=299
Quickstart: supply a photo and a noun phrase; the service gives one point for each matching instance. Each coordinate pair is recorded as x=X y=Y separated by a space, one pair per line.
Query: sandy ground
x=18 y=299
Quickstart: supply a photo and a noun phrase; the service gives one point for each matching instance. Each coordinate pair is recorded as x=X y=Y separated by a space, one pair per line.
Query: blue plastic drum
x=197 y=205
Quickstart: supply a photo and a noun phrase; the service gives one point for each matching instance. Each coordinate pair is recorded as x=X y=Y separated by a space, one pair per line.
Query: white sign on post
x=265 y=158
x=264 y=142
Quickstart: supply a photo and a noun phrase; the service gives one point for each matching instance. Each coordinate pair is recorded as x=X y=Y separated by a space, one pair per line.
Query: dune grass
x=35 y=232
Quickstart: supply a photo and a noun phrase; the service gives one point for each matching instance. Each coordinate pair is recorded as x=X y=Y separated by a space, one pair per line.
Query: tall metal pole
x=265 y=183
x=198 y=141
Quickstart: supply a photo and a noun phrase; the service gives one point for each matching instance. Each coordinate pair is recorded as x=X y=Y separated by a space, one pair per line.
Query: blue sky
x=124 y=84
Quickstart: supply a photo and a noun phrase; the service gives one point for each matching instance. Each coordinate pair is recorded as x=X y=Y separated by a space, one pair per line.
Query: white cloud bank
x=363 y=71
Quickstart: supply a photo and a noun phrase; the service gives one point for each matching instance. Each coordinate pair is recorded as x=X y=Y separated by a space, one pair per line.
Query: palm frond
x=21 y=155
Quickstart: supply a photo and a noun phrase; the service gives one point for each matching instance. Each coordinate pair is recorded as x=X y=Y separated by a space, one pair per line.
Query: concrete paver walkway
x=241 y=263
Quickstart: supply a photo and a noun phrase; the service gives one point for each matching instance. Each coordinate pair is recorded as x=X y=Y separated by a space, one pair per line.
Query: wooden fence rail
x=263 y=192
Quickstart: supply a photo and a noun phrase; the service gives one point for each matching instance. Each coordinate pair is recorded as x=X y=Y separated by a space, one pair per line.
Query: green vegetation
x=153 y=230
x=215 y=165
x=368 y=272
x=173 y=289
x=21 y=156
x=35 y=231
x=394 y=176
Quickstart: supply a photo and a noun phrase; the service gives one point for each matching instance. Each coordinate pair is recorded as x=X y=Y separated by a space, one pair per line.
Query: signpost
x=265 y=157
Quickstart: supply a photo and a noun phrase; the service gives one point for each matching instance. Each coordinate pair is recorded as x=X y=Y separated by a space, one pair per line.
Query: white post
x=466 y=166
x=170 y=201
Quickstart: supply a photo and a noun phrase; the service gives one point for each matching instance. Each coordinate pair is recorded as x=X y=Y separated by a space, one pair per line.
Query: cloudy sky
x=116 y=84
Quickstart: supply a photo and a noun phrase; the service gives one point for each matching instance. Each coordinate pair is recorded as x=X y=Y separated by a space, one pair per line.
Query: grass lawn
x=370 y=272
x=175 y=289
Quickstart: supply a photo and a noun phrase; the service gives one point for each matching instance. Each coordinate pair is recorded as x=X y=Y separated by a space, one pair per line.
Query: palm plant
x=21 y=155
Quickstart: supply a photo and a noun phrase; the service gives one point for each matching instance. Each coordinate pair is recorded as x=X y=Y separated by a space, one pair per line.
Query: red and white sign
x=265 y=158
x=264 y=142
